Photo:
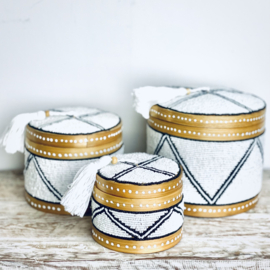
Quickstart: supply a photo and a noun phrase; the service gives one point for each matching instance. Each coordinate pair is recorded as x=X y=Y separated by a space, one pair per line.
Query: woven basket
x=57 y=147
x=217 y=137
x=137 y=204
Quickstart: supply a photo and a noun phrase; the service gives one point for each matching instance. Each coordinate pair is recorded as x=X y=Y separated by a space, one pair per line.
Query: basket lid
x=87 y=133
x=214 y=115
x=140 y=175
x=216 y=102
x=85 y=121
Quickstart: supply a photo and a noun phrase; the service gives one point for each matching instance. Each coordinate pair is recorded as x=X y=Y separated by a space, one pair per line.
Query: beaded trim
x=139 y=191
x=206 y=134
x=137 y=205
x=137 y=247
x=55 y=208
x=219 y=211
x=72 y=153
x=209 y=121
x=73 y=141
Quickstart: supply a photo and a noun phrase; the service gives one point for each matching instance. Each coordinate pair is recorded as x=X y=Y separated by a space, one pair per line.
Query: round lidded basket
x=58 y=146
x=217 y=137
x=137 y=204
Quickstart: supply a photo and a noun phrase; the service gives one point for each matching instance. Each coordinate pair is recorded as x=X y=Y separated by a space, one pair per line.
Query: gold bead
x=47 y=113
x=114 y=160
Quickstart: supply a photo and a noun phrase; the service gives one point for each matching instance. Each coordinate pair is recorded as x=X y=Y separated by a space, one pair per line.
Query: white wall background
x=73 y=52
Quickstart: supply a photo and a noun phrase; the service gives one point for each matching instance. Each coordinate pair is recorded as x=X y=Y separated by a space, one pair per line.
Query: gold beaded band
x=137 y=205
x=74 y=141
x=139 y=191
x=209 y=121
x=54 y=208
x=219 y=211
x=73 y=153
x=137 y=247
x=207 y=134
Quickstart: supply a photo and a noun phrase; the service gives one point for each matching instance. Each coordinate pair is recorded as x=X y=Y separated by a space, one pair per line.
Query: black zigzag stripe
x=234 y=172
x=147 y=162
x=135 y=233
x=118 y=175
x=98 y=211
x=231 y=90
x=151 y=169
x=160 y=144
x=187 y=172
x=56 y=203
x=159 y=223
x=178 y=206
x=90 y=123
x=158 y=171
x=188 y=97
x=196 y=184
x=92 y=114
x=122 y=173
x=119 y=225
x=27 y=163
x=259 y=143
x=128 y=238
x=127 y=162
x=232 y=101
x=55 y=122
x=178 y=212
x=228 y=181
x=179 y=209
x=46 y=181
x=80 y=118
x=214 y=92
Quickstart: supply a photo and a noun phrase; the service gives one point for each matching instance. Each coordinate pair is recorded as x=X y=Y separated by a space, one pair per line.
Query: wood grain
x=30 y=239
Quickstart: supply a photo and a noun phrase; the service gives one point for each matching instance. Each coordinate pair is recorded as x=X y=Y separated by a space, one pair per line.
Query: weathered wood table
x=30 y=239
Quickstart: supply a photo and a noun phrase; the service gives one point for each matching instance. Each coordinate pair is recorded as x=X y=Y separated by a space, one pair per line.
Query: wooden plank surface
x=33 y=239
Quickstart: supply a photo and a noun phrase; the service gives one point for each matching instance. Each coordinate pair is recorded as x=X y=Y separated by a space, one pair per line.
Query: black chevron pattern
x=166 y=138
x=227 y=182
x=48 y=184
x=142 y=165
x=211 y=92
x=131 y=231
x=80 y=118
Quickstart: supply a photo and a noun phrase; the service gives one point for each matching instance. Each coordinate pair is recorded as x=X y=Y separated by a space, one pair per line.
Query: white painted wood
x=36 y=240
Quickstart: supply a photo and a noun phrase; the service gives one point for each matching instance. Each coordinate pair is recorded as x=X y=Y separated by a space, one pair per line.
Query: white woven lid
x=216 y=102
x=141 y=169
x=83 y=121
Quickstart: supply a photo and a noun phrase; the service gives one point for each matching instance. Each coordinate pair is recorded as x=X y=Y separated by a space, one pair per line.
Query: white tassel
x=146 y=97
x=13 y=137
x=77 y=198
